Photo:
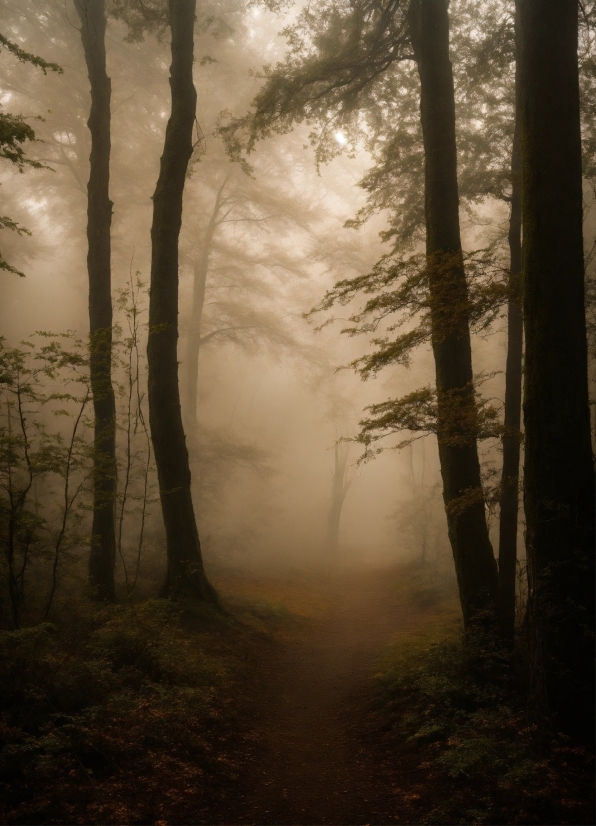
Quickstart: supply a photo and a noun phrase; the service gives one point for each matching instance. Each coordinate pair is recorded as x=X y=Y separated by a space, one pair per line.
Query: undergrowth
x=122 y=714
x=463 y=712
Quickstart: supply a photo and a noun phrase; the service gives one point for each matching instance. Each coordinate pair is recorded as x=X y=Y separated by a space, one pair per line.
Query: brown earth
x=316 y=750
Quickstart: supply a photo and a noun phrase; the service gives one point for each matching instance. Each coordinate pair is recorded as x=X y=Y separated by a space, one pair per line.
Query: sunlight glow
x=341 y=138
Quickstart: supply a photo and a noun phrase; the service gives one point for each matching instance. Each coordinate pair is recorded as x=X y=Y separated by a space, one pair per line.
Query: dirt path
x=317 y=758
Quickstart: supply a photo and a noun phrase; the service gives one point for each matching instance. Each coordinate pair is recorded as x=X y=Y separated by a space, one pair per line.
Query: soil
x=316 y=752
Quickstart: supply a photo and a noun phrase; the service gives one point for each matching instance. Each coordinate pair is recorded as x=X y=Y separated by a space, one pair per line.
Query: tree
x=185 y=574
x=99 y=219
x=559 y=469
x=340 y=487
x=456 y=412
x=231 y=267
x=200 y=270
x=511 y=441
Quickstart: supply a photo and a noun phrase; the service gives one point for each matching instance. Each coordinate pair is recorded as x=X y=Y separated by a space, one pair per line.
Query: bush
x=464 y=708
x=115 y=698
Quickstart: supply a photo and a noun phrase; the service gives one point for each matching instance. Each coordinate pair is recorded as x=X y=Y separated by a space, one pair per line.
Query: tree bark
x=185 y=573
x=513 y=397
x=475 y=564
x=99 y=219
x=559 y=469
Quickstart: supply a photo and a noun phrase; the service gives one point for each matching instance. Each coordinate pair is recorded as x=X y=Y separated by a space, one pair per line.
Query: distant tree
x=200 y=271
x=99 y=219
x=185 y=575
x=421 y=520
x=341 y=484
x=340 y=412
x=229 y=265
x=559 y=470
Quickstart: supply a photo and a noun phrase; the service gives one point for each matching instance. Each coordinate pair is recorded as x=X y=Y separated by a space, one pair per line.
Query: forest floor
x=319 y=755
x=334 y=696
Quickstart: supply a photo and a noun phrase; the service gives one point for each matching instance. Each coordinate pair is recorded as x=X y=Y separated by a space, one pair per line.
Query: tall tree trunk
x=559 y=470
x=475 y=564
x=513 y=396
x=338 y=495
x=99 y=219
x=193 y=344
x=185 y=574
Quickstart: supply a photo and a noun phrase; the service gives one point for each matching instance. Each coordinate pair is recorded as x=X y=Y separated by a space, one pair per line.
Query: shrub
x=464 y=707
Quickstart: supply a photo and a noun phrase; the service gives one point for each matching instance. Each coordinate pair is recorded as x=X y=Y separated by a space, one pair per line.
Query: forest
x=297 y=411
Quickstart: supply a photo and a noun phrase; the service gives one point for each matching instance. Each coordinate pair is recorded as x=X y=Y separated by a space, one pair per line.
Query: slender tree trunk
x=559 y=469
x=513 y=398
x=338 y=495
x=99 y=220
x=475 y=564
x=185 y=575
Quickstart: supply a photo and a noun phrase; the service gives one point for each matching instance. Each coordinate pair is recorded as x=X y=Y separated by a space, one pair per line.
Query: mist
x=262 y=366
x=274 y=388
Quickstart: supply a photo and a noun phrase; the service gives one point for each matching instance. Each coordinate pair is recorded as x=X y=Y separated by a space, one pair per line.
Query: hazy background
x=271 y=400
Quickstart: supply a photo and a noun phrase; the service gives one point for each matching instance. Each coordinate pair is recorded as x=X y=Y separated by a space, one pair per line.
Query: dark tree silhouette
x=185 y=574
x=513 y=396
x=456 y=408
x=99 y=219
x=559 y=470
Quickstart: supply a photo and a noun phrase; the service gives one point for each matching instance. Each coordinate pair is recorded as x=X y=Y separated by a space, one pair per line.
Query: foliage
x=464 y=712
x=142 y=17
x=349 y=73
x=114 y=713
x=150 y=17
x=14 y=133
x=43 y=382
x=416 y=412
x=400 y=294
x=339 y=73
x=83 y=703
x=27 y=57
x=46 y=457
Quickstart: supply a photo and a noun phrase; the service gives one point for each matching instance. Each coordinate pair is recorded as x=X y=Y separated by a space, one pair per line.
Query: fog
x=296 y=470
x=275 y=392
